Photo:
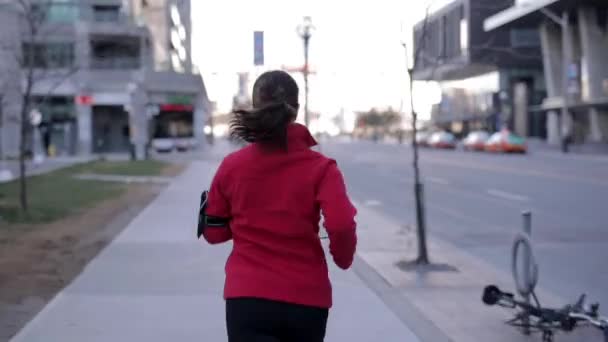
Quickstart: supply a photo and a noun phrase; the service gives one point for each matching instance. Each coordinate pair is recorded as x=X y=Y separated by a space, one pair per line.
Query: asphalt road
x=475 y=201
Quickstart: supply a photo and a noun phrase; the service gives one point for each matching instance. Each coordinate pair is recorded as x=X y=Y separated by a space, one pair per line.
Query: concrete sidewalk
x=156 y=282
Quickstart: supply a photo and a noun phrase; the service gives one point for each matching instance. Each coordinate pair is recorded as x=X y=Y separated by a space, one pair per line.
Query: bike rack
x=525 y=281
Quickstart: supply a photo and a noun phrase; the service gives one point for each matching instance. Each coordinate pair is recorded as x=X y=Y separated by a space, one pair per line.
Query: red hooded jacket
x=274 y=200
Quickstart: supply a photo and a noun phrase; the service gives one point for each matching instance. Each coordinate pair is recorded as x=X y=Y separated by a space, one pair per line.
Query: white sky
x=355 y=48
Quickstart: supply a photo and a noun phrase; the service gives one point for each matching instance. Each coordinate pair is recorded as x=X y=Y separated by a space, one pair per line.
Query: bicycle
x=533 y=317
x=546 y=320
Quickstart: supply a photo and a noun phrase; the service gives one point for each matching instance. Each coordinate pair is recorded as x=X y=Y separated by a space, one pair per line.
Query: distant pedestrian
x=268 y=199
x=45 y=130
x=565 y=143
x=567 y=132
x=400 y=136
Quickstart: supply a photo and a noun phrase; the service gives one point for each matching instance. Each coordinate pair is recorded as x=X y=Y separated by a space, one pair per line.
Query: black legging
x=261 y=320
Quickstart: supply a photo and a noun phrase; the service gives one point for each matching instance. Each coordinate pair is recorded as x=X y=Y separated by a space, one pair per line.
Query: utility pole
x=567 y=59
x=306 y=113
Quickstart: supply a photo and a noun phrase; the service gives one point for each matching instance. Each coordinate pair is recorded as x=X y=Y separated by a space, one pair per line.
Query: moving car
x=506 y=142
x=476 y=141
x=444 y=140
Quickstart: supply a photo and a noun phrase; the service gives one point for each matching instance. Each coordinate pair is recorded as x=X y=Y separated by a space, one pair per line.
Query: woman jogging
x=268 y=199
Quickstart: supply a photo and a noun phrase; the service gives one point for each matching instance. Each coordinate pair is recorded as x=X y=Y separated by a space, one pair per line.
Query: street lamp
x=305 y=32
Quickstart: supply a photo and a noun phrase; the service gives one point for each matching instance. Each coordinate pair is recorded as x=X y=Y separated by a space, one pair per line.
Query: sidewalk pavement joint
x=124 y=178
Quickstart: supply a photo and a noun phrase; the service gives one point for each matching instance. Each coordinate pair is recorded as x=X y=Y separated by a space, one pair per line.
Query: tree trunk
x=423 y=257
x=22 y=167
x=23 y=198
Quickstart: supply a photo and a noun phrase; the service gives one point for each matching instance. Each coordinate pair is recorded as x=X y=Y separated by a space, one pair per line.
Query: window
x=115 y=53
x=525 y=38
x=176 y=62
x=55 y=108
x=495 y=138
x=176 y=41
x=464 y=36
x=57 y=11
x=181 y=30
x=106 y=13
x=48 y=55
x=175 y=15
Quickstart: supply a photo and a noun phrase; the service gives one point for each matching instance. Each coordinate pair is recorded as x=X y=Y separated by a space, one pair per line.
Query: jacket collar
x=299 y=138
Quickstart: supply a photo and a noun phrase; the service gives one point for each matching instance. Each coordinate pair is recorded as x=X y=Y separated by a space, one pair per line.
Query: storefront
x=173 y=120
x=58 y=129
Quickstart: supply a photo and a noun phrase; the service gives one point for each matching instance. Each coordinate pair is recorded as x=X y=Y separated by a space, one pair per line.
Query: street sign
x=84 y=100
x=180 y=99
x=258 y=48
x=176 y=108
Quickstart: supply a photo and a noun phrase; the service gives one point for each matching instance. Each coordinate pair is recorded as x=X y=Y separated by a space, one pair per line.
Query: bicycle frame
x=548 y=321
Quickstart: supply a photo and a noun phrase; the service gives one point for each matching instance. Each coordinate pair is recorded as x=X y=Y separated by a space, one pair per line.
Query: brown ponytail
x=275 y=106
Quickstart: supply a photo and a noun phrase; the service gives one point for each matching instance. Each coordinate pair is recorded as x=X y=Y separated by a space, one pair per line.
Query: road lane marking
x=508 y=195
x=515 y=171
x=438 y=180
x=573 y=157
x=372 y=203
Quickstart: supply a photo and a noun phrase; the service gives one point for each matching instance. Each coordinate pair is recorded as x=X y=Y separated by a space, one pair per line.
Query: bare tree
x=423 y=254
x=33 y=67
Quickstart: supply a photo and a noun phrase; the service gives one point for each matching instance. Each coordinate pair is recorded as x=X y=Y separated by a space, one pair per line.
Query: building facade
x=10 y=86
x=488 y=80
x=574 y=36
x=171 y=33
x=97 y=85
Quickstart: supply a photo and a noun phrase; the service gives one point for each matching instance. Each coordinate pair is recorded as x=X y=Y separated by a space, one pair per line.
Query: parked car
x=163 y=145
x=184 y=144
x=422 y=138
x=444 y=140
x=506 y=142
x=476 y=141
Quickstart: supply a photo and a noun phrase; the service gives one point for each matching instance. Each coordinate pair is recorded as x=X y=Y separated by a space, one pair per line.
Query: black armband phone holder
x=205 y=220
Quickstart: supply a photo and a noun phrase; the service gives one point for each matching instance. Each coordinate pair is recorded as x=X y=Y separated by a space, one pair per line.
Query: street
x=475 y=201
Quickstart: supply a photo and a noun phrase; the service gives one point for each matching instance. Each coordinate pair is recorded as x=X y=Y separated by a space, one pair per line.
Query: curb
x=416 y=321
